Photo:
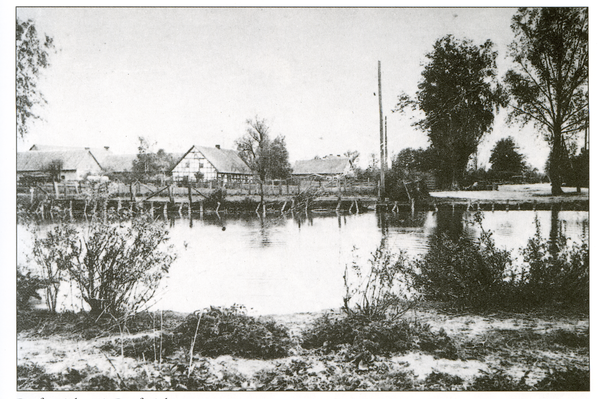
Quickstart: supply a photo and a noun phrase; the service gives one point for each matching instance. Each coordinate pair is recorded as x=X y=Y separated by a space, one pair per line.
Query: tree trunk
x=262 y=193
x=555 y=163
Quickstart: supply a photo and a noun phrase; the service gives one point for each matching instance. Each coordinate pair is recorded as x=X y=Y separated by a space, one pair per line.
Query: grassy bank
x=224 y=349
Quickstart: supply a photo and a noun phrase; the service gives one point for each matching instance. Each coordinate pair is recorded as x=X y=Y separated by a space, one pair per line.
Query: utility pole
x=386 y=146
x=381 y=137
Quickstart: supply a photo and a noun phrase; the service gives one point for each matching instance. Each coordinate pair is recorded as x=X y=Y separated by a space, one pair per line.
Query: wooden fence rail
x=149 y=190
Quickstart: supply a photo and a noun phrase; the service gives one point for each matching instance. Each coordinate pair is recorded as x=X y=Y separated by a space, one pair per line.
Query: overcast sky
x=194 y=76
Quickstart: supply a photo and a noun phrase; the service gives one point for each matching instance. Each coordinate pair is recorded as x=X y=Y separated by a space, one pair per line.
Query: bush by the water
x=230 y=331
x=475 y=273
x=116 y=264
x=383 y=290
x=382 y=337
x=555 y=271
x=464 y=272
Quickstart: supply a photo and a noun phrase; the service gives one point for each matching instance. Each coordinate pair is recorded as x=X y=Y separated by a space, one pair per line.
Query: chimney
x=218 y=146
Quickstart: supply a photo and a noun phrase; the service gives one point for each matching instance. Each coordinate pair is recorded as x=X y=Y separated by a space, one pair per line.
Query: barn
x=58 y=165
x=327 y=167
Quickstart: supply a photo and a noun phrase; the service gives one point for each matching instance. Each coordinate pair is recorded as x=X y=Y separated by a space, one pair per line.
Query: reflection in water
x=285 y=264
x=449 y=222
x=555 y=231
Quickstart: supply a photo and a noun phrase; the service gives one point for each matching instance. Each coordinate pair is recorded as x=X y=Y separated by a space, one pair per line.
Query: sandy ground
x=503 y=339
x=514 y=192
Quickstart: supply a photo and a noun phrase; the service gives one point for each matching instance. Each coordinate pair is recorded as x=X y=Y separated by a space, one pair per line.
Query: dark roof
x=224 y=161
x=39 y=160
x=118 y=162
x=321 y=166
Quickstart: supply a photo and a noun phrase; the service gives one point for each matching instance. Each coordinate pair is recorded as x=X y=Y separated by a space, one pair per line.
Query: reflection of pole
x=381 y=138
x=190 y=199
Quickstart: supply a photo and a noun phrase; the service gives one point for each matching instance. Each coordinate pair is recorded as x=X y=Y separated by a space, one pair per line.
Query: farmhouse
x=211 y=164
x=59 y=165
x=327 y=167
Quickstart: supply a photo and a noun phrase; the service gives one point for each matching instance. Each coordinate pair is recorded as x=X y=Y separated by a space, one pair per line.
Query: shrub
x=438 y=381
x=464 y=272
x=554 y=271
x=27 y=286
x=497 y=380
x=216 y=196
x=117 y=265
x=383 y=290
x=571 y=379
x=377 y=337
x=230 y=331
x=31 y=377
x=53 y=253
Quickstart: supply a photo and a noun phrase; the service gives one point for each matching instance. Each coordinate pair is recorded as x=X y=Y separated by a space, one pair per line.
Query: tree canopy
x=267 y=158
x=505 y=158
x=148 y=164
x=31 y=56
x=548 y=85
x=459 y=96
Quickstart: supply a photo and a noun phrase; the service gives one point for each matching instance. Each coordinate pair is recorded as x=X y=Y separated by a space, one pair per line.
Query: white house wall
x=192 y=163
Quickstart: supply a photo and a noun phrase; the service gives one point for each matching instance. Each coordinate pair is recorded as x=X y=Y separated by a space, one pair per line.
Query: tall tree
x=149 y=164
x=459 y=96
x=549 y=84
x=267 y=158
x=505 y=158
x=31 y=57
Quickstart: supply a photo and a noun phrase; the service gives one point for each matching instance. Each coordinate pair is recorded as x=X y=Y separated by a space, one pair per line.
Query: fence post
x=190 y=196
x=56 y=191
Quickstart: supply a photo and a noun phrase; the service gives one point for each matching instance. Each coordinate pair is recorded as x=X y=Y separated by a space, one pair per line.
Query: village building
x=330 y=166
x=56 y=165
x=100 y=153
x=211 y=164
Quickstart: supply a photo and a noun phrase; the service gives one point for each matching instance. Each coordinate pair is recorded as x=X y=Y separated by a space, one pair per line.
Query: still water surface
x=277 y=265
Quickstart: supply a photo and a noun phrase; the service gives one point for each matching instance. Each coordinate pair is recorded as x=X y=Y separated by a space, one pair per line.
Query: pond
x=278 y=265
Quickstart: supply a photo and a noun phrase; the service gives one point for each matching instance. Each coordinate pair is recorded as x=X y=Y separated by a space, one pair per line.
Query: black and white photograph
x=288 y=198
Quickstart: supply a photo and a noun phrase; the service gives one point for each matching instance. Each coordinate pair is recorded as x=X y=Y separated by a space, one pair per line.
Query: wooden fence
x=139 y=190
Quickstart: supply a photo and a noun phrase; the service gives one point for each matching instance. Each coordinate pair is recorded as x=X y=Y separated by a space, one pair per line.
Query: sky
x=194 y=76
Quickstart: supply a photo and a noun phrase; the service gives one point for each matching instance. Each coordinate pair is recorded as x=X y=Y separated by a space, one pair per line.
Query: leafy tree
x=416 y=160
x=31 y=56
x=459 y=96
x=148 y=164
x=549 y=84
x=267 y=158
x=505 y=158
x=54 y=168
